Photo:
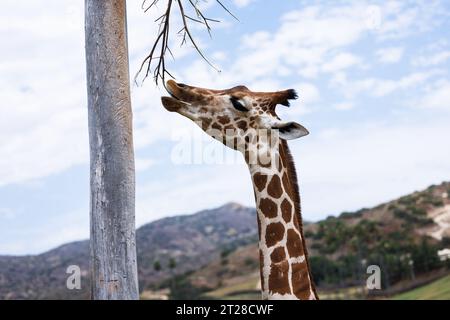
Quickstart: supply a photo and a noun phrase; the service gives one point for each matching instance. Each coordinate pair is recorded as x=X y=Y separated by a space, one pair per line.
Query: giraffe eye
x=237 y=105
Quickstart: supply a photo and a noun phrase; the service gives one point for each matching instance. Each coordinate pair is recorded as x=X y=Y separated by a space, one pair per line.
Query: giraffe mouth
x=173 y=102
x=178 y=99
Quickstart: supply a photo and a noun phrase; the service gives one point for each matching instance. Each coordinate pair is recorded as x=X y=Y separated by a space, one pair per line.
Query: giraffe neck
x=284 y=264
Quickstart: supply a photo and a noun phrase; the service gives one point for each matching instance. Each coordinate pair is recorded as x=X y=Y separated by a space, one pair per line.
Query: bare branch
x=160 y=47
x=162 y=41
x=188 y=33
x=151 y=5
x=226 y=9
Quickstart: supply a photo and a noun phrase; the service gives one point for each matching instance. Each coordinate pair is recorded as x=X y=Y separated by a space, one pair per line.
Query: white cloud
x=53 y=146
x=43 y=128
x=242 y=3
x=143 y=164
x=378 y=87
x=340 y=62
x=404 y=18
x=308 y=42
x=344 y=106
x=308 y=93
x=431 y=59
x=390 y=55
x=317 y=39
x=437 y=96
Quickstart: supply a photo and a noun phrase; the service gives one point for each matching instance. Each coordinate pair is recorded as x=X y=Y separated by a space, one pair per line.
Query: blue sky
x=374 y=85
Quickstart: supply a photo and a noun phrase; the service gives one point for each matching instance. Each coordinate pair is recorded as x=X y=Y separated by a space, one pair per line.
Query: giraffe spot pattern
x=260 y=181
x=242 y=125
x=300 y=283
x=274 y=188
x=278 y=255
x=216 y=126
x=223 y=119
x=279 y=278
x=268 y=207
x=294 y=244
x=286 y=210
x=274 y=233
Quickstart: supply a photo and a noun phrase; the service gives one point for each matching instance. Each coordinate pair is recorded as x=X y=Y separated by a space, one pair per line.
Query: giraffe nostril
x=181 y=85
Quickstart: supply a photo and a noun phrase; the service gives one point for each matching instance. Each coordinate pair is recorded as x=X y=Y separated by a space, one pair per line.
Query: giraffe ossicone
x=247 y=122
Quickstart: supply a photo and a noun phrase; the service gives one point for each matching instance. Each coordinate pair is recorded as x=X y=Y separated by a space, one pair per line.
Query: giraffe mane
x=292 y=176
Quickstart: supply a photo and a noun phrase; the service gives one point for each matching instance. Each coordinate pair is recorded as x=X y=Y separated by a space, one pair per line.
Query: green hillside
x=392 y=235
x=437 y=290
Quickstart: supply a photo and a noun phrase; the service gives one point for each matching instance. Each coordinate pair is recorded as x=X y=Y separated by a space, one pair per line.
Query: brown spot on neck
x=286 y=210
x=300 y=281
x=259 y=181
x=274 y=233
x=274 y=188
x=278 y=255
x=268 y=208
x=294 y=244
x=279 y=278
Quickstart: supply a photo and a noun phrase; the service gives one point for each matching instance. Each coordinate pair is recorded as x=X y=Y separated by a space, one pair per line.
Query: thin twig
x=226 y=9
x=161 y=43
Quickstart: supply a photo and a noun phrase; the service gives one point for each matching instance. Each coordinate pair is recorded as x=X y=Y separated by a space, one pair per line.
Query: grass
x=233 y=291
x=437 y=290
x=350 y=293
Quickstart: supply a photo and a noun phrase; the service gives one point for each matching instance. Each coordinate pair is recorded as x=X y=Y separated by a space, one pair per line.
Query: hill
x=213 y=253
x=186 y=242
x=392 y=235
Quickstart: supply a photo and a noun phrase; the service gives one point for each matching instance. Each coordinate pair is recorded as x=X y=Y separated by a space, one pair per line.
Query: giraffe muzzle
x=173 y=103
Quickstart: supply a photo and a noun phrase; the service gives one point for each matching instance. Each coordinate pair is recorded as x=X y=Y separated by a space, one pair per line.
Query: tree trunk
x=112 y=180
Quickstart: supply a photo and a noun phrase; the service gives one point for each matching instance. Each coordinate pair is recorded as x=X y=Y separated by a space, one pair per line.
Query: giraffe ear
x=283 y=97
x=290 y=130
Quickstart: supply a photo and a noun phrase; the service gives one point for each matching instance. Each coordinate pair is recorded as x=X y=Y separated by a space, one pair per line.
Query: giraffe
x=247 y=122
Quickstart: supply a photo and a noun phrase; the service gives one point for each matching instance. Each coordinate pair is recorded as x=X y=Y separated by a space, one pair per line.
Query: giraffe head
x=233 y=113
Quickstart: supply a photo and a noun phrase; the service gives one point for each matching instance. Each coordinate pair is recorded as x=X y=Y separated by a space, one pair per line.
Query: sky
x=374 y=92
